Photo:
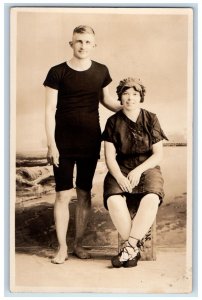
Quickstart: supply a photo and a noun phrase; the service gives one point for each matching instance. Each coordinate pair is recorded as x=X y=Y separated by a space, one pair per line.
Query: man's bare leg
x=82 y=215
x=61 y=215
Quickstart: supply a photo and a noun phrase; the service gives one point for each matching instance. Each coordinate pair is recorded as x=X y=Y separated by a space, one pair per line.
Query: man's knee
x=84 y=197
x=64 y=196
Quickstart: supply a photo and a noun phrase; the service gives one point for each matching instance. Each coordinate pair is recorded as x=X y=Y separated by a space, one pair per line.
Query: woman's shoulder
x=148 y=114
x=115 y=118
x=116 y=115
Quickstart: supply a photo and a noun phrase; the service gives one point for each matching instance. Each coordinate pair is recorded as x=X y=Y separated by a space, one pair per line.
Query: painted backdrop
x=149 y=43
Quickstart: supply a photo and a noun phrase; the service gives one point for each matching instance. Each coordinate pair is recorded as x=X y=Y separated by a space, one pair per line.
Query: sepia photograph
x=101 y=123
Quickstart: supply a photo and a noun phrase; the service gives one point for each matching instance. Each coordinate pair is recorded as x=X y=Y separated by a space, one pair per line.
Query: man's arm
x=108 y=102
x=50 y=109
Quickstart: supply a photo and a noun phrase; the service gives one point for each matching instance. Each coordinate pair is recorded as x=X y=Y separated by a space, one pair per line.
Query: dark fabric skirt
x=151 y=181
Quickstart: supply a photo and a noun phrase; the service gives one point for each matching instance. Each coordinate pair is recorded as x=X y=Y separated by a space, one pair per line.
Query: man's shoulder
x=59 y=67
x=99 y=65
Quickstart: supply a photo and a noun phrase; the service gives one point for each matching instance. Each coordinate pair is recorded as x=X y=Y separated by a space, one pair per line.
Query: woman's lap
x=151 y=181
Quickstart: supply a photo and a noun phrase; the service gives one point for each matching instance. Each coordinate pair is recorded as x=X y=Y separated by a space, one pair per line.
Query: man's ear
x=71 y=44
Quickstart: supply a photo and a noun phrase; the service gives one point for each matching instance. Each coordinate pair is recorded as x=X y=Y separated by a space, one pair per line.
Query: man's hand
x=53 y=155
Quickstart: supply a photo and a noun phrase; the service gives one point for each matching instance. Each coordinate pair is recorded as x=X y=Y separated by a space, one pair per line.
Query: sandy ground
x=168 y=274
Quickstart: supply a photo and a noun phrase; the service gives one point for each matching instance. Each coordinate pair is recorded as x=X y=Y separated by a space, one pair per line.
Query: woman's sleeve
x=52 y=79
x=157 y=132
x=108 y=133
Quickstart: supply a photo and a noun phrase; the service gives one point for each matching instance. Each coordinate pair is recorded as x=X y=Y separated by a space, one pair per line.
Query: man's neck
x=79 y=64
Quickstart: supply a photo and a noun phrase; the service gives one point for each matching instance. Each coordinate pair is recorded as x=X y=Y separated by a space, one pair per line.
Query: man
x=73 y=91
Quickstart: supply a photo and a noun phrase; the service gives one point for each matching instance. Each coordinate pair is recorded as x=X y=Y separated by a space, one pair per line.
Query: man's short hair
x=84 y=29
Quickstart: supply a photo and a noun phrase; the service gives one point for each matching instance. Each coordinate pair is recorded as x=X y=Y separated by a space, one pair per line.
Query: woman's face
x=130 y=99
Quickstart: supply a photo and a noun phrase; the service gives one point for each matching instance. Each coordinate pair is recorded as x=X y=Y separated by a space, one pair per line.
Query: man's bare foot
x=80 y=252
x=61 y=256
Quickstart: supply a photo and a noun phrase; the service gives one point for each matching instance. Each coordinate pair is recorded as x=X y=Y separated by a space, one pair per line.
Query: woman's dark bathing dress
x=133 y=142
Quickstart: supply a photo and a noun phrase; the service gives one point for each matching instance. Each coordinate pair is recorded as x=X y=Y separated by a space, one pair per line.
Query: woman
x=133 y=149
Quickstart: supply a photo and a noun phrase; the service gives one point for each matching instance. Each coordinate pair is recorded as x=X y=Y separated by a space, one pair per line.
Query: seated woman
x=133 y=149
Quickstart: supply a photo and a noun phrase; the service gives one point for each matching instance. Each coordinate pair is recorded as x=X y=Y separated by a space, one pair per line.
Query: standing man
x=73 y=91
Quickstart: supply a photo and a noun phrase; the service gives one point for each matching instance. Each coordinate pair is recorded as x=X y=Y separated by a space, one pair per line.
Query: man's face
x=82 y=45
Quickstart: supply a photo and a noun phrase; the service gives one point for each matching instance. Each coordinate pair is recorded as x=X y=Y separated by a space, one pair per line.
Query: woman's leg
x=120 y=215
x=140 y=225
x=61 y=216
x=144 y=218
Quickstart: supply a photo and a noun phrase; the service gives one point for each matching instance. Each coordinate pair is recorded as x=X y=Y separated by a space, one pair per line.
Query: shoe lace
x=140 y=243
x=125 y=254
